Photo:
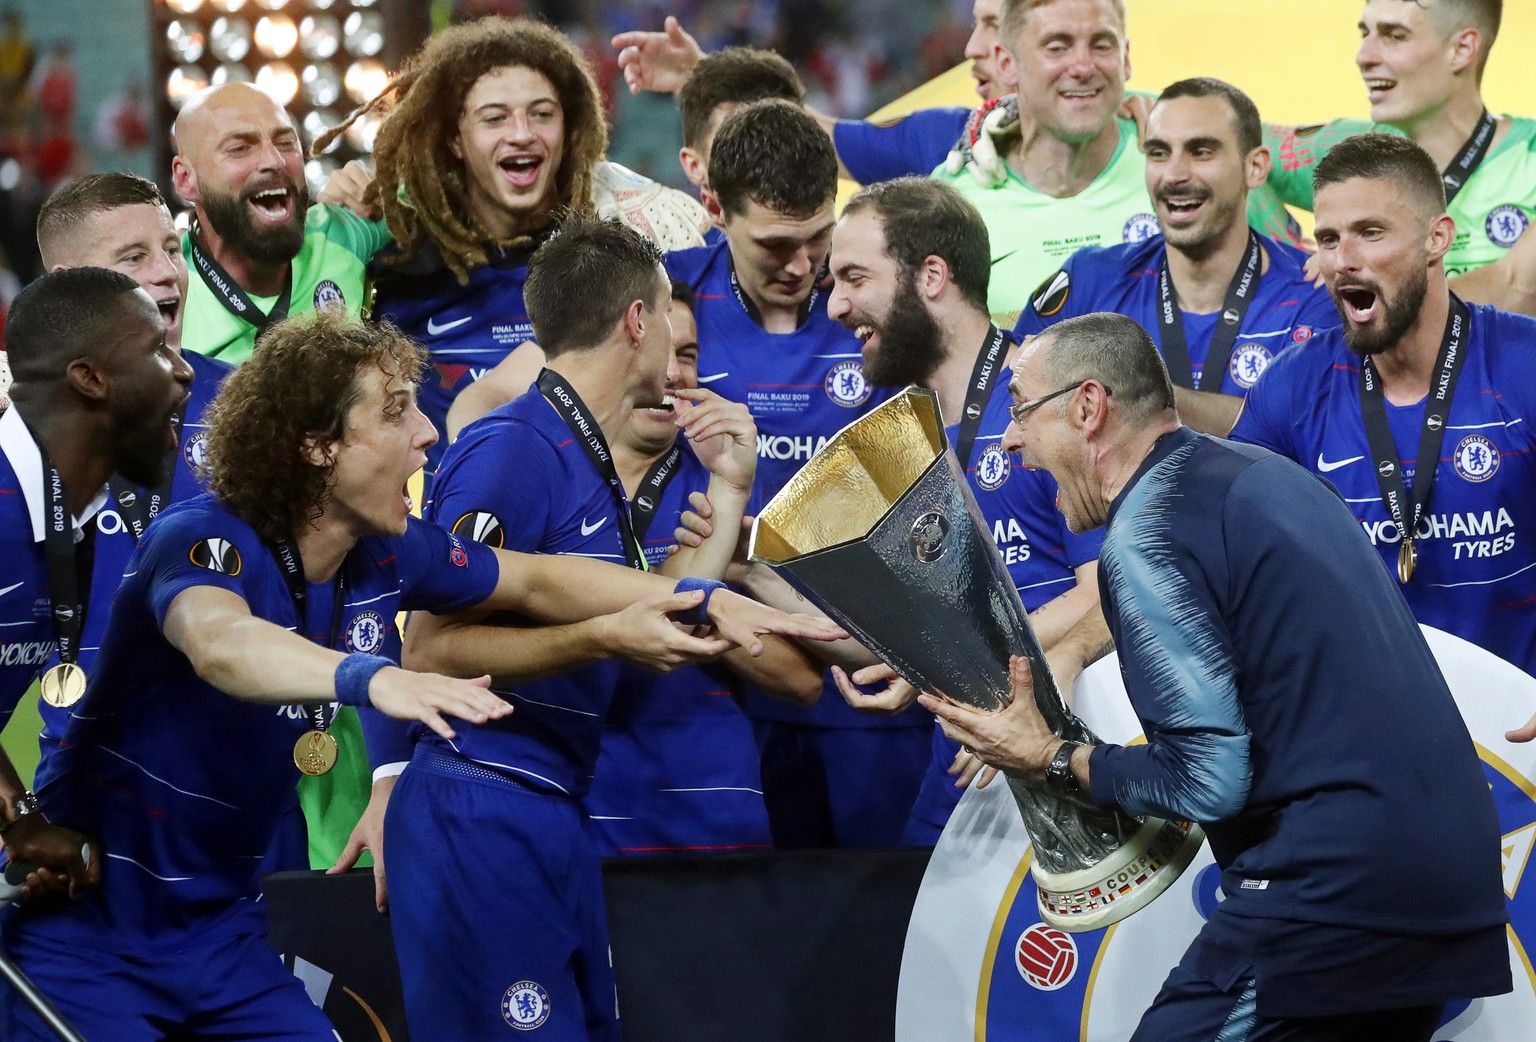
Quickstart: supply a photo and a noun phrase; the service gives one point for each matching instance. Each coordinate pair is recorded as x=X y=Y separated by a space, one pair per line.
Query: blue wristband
x=353 y=675
x=699 y=615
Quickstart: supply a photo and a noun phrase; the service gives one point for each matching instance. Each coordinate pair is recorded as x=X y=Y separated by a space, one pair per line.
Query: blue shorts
x=496 y=904
x=840 y=786
x=233 y=989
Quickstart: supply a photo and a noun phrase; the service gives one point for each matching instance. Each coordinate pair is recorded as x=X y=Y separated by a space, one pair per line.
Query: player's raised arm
x=234 y=651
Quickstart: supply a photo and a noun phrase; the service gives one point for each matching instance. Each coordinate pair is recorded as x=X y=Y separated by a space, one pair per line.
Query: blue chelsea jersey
x=466 y=330
x=27 y=638
x=184 y=785
x=801 y=387
x=114 y=536
x=679 y=770
x=1285 y=310
x=517 y=478
x=1476 y=573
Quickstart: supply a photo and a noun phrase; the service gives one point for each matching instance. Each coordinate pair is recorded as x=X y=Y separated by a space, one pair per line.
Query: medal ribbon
x=1437 y=408
x=138 y=507
x=978 y=391
x=69 y=573
x=577 y=417
x=230 y=293
x=647 y=501
x=1171 y=321
x=1471 y=156
x=286 y=553
x=757 y=316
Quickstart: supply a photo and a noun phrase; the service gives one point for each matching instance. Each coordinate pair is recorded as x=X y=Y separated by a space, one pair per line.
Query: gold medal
x=315 y=753
x=1407 y=561
x=63 y=685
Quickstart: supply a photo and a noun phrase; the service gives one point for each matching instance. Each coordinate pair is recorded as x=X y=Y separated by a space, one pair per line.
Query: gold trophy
x=881 y=531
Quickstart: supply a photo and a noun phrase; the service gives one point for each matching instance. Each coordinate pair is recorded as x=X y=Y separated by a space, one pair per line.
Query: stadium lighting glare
x=230 y=39
x=183 y=82
x=278 y=81
x=184 y=6
x=319 y=37
x=230 y=72
x=364 y=33
x=276 y=36
x=365 y=79
x=322 y=84
x=186 y=39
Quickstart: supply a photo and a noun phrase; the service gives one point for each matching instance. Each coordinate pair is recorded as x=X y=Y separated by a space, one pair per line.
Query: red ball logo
x=1046 y=957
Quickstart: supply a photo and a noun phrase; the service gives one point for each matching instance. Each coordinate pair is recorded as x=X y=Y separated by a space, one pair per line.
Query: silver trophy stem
x=880 y=530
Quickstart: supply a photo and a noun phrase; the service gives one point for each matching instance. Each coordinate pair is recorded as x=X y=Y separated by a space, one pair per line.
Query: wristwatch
x=1058 y=773
x=24 y=805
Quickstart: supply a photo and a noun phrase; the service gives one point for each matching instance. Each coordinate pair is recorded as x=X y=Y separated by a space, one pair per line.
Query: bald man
x=257 y=250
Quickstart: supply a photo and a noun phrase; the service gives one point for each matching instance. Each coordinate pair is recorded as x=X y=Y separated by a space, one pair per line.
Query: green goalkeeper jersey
x=1491 y=211
x=329 y=271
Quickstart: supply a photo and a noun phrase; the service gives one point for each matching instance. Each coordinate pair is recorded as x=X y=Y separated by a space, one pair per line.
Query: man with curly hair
x=247 y=612
x=489 y=131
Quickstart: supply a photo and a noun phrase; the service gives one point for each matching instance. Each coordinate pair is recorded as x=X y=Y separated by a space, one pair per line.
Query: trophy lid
x=845 y=489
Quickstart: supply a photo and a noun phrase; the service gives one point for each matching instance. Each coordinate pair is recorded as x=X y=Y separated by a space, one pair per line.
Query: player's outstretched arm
x=468 y=644
x=569 y=589
x=257 y=661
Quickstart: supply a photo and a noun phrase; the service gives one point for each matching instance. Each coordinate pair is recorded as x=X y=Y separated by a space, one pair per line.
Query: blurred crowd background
x=79 y=90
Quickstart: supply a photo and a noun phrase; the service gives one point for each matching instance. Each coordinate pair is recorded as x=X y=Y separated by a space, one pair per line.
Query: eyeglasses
x=1023 y=409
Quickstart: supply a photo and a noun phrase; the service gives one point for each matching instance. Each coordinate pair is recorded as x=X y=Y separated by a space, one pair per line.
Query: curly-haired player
x=246 y=613
x=489 y=131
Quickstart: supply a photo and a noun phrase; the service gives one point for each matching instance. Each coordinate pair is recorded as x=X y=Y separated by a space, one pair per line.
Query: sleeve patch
x=216 y=555
x=482 y=527
x=1052 y=294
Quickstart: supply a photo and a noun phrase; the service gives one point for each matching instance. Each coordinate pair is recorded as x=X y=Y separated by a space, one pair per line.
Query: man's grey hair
x=1117 y=352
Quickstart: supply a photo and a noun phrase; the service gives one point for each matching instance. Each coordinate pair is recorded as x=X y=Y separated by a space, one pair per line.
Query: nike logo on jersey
x=8 y=589
x=587 y=529
x=435 y=329
x=712 y=379
x=1328 y=468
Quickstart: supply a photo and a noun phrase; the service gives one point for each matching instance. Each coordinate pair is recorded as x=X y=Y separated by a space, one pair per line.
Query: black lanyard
x=751 y=308
x=69 y=573
x=230 y=293
x=140 y=507
x=286 y=553
x=1437 y=408
x=577 y=417
x=1471 y=156
x=1171 y=321
x=653 y=486
x=983 y=376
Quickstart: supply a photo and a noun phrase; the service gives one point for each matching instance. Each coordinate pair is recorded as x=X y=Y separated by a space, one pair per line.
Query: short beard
x=911 y=344
x=228 y=217
x=141 y=454
x=1400 y=314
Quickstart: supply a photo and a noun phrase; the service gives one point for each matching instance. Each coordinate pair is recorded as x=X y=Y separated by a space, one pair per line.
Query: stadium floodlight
x=319 y=37
x=276 y=36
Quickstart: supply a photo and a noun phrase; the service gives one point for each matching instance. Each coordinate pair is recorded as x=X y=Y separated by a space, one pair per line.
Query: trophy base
x=1125 y=882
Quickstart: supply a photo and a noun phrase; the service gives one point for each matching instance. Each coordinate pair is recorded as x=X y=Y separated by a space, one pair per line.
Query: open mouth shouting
x=521 y=169
x=273 y=205
x=1358 y=303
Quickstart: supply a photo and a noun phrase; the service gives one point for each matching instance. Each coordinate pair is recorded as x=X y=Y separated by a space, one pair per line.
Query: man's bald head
x=240 y=162
x=203 y=114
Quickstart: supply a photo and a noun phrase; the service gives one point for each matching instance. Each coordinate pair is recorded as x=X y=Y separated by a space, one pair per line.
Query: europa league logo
x=928 y=533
